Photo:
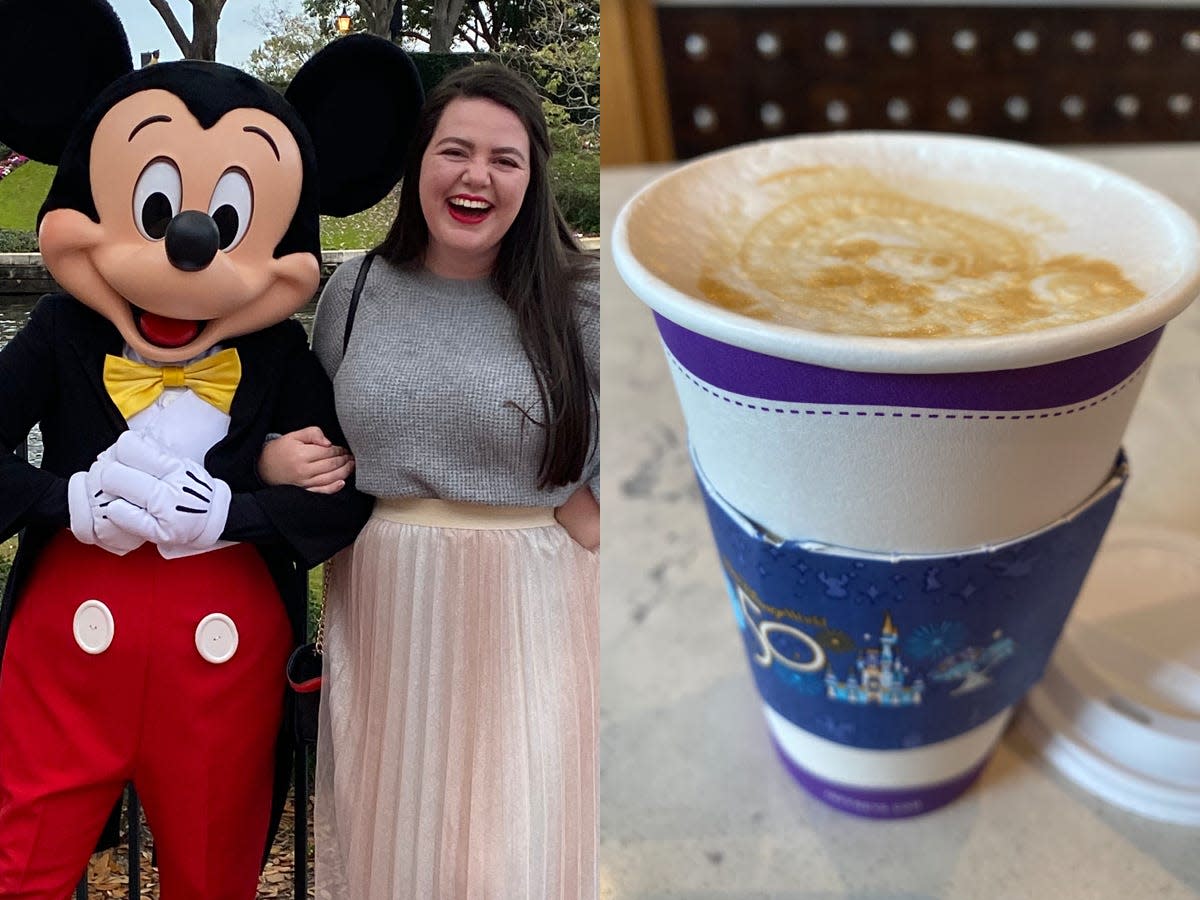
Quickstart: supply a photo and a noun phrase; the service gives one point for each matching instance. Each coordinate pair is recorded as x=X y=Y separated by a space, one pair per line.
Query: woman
x=458 y=733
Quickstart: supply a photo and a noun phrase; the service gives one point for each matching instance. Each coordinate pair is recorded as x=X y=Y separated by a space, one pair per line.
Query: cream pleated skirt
x=457 y=750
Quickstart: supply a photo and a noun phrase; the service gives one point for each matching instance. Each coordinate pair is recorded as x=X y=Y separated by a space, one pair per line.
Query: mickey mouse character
x=159 y=585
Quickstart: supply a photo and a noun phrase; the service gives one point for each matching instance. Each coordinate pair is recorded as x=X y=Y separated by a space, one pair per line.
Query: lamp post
x=342 y=22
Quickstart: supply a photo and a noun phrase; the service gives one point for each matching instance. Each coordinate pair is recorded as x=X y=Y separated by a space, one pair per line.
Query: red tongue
x=164 y=332
x=463 y=213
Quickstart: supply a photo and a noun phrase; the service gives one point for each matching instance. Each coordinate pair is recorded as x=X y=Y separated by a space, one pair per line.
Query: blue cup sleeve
x=896 y=651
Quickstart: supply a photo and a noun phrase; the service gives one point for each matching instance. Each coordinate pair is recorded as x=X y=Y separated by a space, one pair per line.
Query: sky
x=237 y=34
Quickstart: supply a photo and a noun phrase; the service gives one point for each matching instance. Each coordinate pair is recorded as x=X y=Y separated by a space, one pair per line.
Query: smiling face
x=182 y=255
x=473 y=179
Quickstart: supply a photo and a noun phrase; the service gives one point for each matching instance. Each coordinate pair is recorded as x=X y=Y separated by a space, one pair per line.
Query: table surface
x=694 y=802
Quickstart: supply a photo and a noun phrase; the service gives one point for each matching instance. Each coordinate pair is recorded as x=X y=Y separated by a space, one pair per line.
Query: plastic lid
x=1118 y=709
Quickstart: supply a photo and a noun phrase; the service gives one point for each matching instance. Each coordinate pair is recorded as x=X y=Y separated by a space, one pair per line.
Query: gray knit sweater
x=426 y=392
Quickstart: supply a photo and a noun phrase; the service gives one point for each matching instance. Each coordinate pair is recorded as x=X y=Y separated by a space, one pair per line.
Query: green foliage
x=575 y=170
x=559 y=48
x=7 y=551
x=12 y=241
x=433 y=67
x=411 y=22
x=326 y=11
x=293 y=41
x=4 y=149
x=21 y=194
x=316 y=581
x=576 y=178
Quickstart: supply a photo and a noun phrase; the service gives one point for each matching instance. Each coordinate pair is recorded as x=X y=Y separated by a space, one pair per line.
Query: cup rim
x=916 y=355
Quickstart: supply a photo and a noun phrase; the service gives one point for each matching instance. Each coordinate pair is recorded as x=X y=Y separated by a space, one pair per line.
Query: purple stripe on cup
x=892 y=803
x=753 y=374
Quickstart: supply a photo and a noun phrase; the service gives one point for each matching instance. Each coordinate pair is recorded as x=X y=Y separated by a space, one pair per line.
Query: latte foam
x=845 y=251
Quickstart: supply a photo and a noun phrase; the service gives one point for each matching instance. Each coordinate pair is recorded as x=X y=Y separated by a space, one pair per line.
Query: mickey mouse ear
x=359 y=98
x=59 y=56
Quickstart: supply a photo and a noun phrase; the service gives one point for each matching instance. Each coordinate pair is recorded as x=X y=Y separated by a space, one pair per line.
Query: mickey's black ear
x=58 y=55
x=359 y=98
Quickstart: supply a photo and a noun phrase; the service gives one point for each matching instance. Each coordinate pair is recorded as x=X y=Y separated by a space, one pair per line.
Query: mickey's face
x=182 y=256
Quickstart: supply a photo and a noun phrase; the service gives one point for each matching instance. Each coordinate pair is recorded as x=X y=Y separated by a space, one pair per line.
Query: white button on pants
x=93 y=626
x=216 y=638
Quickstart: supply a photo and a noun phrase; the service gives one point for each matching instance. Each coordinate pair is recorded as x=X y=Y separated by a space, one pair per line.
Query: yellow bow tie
x=134 y=386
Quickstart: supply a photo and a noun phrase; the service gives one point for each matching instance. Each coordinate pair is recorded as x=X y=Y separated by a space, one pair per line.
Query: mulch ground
x=108 y=871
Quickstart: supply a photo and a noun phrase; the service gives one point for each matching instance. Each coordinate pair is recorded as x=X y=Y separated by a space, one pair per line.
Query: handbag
x=304 y=675
x=305 y=663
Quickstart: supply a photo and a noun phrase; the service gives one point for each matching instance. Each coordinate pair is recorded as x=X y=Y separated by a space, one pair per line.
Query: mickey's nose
x=192 y=240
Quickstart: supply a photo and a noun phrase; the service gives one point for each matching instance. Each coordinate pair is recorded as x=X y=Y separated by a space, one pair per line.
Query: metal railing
x=133 y=849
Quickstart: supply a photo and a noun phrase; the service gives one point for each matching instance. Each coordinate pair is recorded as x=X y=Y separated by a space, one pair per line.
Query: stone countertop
x=694 y=802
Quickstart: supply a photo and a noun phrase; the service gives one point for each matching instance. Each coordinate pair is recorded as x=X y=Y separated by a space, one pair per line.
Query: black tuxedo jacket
x=51 y=373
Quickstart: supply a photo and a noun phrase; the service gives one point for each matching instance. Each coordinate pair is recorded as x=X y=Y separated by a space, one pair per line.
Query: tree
x=558 y=45
x=205 y=14
x=375 y=17
x=435 y=24
x=556 y=42
x=293 y=39
x=489 y=24
x=366 y=16
x=443 y=24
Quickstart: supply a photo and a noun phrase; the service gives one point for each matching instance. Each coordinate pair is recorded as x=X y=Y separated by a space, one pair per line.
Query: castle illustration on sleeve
x=881 y=675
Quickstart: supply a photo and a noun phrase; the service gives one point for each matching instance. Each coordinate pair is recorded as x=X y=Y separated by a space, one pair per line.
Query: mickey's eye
x=231 y=206
x=156 y=198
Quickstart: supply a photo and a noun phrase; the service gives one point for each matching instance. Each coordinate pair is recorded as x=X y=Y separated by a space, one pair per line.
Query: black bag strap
x=300 y=751
x=354 y=295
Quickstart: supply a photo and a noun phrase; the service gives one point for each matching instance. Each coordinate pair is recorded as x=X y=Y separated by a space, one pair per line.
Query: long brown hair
x=535 y=272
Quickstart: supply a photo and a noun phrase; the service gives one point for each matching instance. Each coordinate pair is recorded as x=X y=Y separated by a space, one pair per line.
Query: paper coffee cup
x=906 y=446
x=886 y=679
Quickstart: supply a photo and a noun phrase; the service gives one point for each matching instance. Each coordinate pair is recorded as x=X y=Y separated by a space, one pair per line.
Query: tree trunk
x=205 y=14
x=443 y=24
x=173 y=26
x=375 y=17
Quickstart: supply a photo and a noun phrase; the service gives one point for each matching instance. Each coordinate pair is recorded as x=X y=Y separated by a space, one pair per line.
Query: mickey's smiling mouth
x=164 y=332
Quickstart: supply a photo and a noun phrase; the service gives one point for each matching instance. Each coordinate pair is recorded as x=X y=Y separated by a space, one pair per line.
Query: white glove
x=162 y=497
x=88 y=504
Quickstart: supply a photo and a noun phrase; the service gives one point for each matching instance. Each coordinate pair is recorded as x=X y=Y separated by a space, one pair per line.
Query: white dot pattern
x=771 y=115
x=768 y=45
x=837 y=112
x=704 y=117
x=836 y=43
x=902 y=42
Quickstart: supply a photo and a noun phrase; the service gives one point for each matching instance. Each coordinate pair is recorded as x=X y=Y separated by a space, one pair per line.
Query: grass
x=316 y=590
x=21 y=194
x=8 y=550
x=361 y=230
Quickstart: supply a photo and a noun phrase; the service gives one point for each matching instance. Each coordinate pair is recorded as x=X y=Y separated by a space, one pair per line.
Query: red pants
x=196 y=738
